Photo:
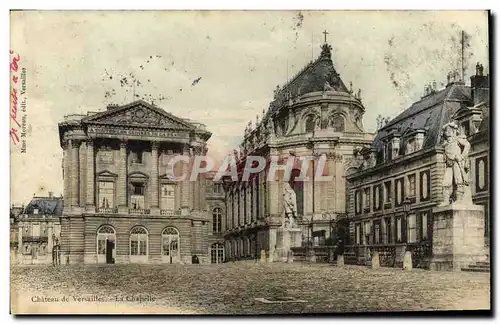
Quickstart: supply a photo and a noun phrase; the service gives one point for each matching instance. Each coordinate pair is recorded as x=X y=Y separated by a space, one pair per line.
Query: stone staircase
x=479 y=266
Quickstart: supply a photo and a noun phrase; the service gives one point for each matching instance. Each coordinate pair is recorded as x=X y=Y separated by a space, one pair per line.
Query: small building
x=39 y=230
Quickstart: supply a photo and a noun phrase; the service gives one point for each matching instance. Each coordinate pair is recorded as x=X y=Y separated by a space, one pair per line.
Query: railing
x=164 y=212
x=421 y=254
x=106 y=210
x=41 y=239
x=138 y=211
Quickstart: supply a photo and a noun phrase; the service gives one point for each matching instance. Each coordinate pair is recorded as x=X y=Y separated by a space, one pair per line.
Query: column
x=185 y=182
x=82 y=183
x=154 y=175
x=90 y=175
x=122 y=176
x=66 y=170
x=74 y=147
x=196 y=184
x=241 y=194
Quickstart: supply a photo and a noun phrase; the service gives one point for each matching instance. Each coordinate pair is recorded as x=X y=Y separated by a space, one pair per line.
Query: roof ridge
x=395 y=119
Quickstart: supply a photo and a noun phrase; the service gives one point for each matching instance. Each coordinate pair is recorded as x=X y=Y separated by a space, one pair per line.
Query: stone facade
x=312 y=115
x=36 y=230
x=395 y=183
x=122 y=204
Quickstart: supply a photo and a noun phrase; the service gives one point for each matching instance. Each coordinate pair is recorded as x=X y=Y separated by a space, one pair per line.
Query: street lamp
x=406 y=205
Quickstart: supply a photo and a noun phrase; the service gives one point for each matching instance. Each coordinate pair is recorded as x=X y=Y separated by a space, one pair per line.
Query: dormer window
x=415 y=142
x=35 y=211
x=410 y=145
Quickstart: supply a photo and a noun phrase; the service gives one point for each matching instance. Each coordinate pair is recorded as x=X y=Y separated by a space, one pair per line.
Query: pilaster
x=122 y=178
x=154 y=176
x=74 y=165
x=185 y=182
x=82 y=183
x=90 y=176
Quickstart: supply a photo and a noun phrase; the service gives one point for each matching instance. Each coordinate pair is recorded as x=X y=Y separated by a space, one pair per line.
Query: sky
x=219 y=68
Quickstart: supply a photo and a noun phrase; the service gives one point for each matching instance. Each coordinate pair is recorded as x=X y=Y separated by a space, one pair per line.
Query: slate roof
x=46 y=206
x=429 y=114
x=311 y=78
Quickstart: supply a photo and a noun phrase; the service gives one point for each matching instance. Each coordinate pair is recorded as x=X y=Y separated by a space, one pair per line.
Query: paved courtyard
x=244 y=288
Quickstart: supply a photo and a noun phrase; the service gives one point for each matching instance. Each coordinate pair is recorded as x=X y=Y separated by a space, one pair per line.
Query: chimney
x=480 y=86
x=51 y=194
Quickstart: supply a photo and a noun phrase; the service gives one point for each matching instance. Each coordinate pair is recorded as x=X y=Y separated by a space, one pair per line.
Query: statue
x=456 y=174
x=479 y=69
x=290 y=201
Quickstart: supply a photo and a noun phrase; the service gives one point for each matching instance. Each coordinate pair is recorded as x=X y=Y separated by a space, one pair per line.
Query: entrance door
x=110 y=245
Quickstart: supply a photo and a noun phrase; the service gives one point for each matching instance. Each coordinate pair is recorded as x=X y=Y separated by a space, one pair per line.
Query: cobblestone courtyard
x=246 y=288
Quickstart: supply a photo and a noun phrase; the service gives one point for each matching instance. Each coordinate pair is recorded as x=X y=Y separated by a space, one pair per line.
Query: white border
x=187 y=4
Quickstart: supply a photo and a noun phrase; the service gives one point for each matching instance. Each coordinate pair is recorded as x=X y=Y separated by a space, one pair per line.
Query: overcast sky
x=75 y=60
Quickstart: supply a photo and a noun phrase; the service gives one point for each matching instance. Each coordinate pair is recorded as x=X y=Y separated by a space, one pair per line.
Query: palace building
x=36 y=230
x=121 y=205
x=396 y=181
x=313 y=114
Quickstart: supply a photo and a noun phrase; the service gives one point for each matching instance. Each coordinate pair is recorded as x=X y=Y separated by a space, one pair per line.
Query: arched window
x=217 y=253
x=337 y=123
x=217 y=220
x=310 y=123
x=106 y=238
x=138 y=241
x=170 y=245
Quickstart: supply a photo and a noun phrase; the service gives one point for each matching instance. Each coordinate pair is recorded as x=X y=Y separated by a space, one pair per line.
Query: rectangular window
x=411 y=230
x=142 y=247
x=412 y=185
x=387 y=191
x=168 y=196
x=399 y=233
x=376 y=234
x=367 y=230
x=388 y=230
x=134 y=248
x=137 y=202
x=358 y=233
x=106 y=194
x=424 y=222
x=136 y=156
x=367 y=198
x=137 y=197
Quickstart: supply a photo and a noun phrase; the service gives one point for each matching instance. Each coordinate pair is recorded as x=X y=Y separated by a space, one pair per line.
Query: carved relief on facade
x=141 y=116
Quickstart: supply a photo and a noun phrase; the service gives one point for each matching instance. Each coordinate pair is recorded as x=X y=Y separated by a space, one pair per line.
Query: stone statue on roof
x=456 y=187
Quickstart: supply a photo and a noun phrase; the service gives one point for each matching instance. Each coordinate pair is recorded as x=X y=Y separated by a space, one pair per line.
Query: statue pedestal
x=286 y=238
x=458 y=236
